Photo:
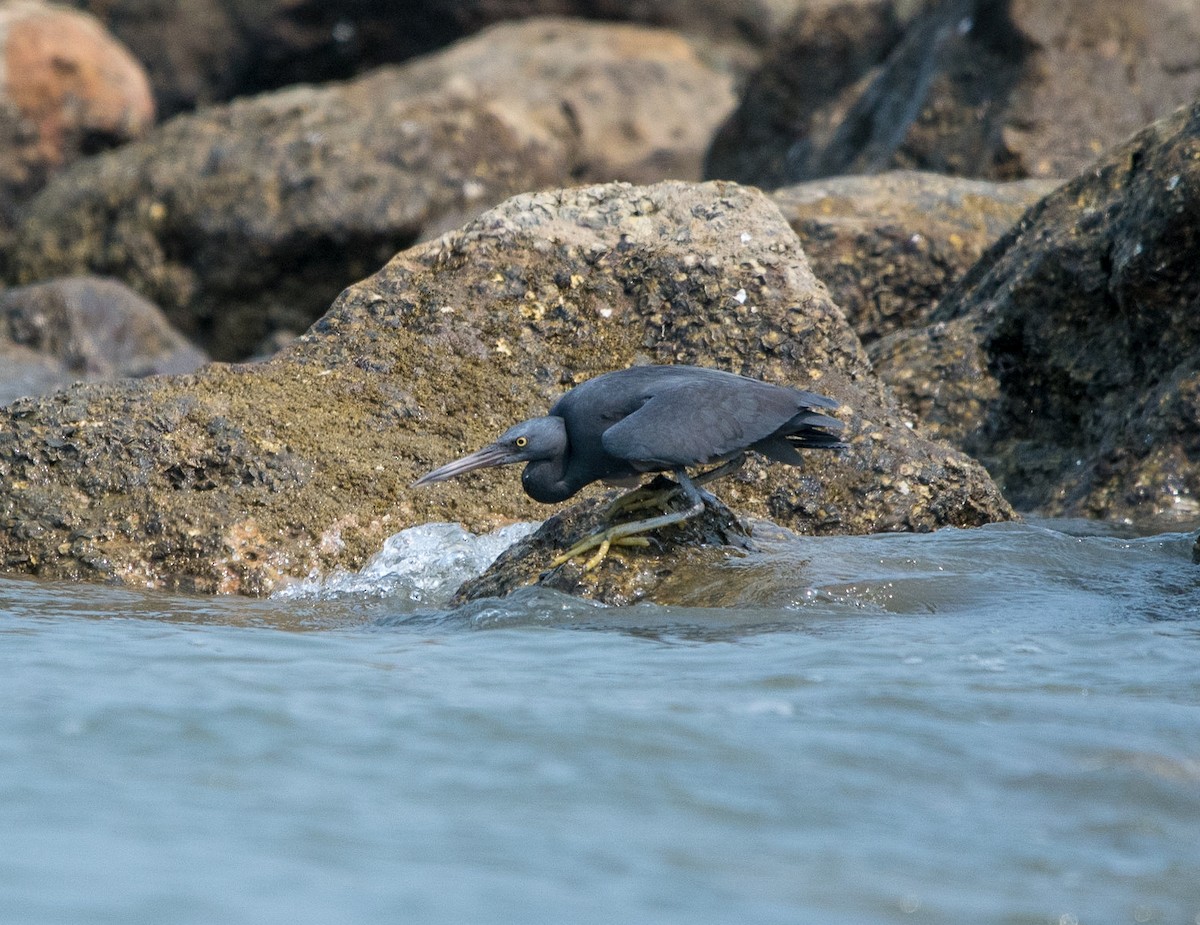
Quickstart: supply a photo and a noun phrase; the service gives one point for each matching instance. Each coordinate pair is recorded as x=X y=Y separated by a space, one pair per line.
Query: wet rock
x=237 y=477
x=97 y=328
x=1001 y=89
x=628 y=574
x=888 y=246
x=67 y=89
x=249 y=218
x=1067 y=359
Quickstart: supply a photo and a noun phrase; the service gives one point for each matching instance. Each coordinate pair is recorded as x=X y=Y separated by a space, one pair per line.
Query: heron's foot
x=601 y=539
x=630 y=533
x=641 y=498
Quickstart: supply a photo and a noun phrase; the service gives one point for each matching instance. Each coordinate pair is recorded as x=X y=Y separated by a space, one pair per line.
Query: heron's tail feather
x=811 y=430
x=808 y=430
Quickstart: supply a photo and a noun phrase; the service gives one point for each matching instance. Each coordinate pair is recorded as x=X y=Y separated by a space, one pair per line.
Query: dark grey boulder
x=983 y=88
x=1068 y=358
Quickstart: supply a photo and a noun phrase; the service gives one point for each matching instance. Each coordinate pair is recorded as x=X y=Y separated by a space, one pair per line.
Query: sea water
x=992 y=726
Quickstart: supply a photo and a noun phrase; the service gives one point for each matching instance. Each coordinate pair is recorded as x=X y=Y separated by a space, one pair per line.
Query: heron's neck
x=545 y=480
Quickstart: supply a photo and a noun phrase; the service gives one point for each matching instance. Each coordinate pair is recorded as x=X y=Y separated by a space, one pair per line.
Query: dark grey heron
x=621 y=425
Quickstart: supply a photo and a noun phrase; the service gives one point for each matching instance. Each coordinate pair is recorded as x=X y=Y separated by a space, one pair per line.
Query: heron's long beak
x=491 y=455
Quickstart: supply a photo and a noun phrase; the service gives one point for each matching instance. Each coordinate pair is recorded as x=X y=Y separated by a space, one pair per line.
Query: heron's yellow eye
x=521 y=441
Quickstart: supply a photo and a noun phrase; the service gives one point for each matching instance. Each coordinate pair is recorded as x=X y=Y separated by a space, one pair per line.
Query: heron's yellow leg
x=629 y=534
x=640 y=498
x=588 y=543
x=644 y=496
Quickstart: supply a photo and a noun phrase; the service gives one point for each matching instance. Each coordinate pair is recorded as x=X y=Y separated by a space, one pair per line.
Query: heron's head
x=529 y=441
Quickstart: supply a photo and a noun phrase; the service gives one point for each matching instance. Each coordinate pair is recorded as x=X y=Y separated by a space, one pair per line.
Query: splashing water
x=424 y=565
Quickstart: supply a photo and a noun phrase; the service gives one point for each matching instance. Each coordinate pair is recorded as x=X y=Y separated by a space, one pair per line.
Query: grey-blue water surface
x=999 y=725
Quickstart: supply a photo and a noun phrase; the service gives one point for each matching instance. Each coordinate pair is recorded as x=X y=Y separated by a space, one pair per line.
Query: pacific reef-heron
x=621 y=425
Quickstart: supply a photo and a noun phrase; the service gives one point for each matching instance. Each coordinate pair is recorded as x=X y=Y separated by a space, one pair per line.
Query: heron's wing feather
x=687 y=424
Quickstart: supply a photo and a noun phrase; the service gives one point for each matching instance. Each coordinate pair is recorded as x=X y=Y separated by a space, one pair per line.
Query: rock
x=811 y=73
x=237 y=477
x=1002 y=89
x=1068 y=359
x=28 y=372
x=756 y=21
x=732 y=31
x=67 y=89
x=97 y=329
x=627 y=102
x=209 y=51
x=625 y=576
x=888 y=246
x=246 y=219
x=941 y=373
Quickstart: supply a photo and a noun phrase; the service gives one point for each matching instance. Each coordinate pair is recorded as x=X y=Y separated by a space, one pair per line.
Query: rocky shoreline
x=1005 y=317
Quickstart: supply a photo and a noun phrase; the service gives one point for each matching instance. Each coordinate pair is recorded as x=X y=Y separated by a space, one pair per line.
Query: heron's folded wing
x=691 y=424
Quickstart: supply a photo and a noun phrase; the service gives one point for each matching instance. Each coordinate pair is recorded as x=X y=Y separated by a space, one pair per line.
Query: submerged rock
x=246 y=219
x=888 y=246
x=1068 y=359
x=237 y=477
x=984 y=88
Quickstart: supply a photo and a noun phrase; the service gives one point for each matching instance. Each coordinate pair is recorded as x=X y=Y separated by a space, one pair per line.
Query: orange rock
x=71 y=84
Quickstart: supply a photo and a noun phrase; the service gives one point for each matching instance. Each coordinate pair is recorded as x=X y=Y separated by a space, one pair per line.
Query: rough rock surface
x=888 y=246
x=1002 y=89
x=96 y=328
x=67 y=89
x=248 y=219
x=1068 y=359
x=236 y=477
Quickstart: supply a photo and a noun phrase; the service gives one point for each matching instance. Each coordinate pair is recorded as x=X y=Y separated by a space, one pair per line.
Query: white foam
x=424 y=564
